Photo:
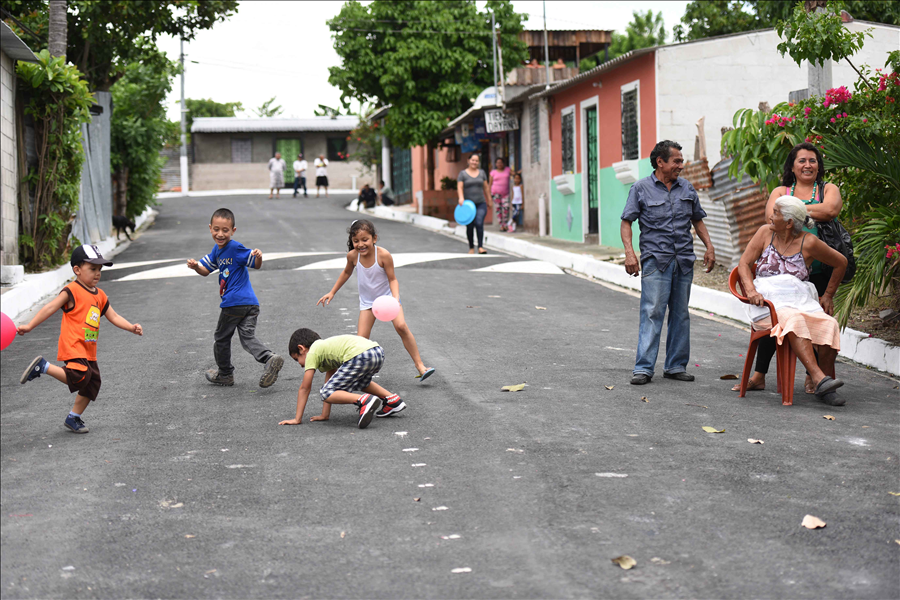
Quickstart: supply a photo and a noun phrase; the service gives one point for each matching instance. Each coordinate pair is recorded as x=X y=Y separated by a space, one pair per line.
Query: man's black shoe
x=679 y=376
x=640 y=379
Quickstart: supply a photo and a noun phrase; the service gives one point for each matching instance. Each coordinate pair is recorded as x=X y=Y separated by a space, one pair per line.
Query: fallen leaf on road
x=541 y=307
x=659 y=561
x=709 y=429
x=729 y=376
x=894 y=493
x=626 y=562
x=343 y=533
x=752 y=441
x=461 y=570
x=493 y=296
x=609 y=387
x=513 y=388
x=811 y=522
x=829 y=417
x=644 y=399
x=516 y=450
x=470 y=307
x=189 y=536
x=416 y=499
x=210 y=572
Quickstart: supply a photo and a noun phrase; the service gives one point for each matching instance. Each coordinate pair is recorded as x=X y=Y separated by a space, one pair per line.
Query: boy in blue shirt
x=240 y=308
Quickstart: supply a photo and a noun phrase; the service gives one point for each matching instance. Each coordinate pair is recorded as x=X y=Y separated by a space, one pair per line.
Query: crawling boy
x=349 y=363
x=82 y=303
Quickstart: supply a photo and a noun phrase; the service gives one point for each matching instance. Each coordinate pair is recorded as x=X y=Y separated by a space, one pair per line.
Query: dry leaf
x=708 y=429
x=416 y=499
x=644 y=399
x=626 y=562
x=752 y=441
x=189 y=536
x=461 y=570
x=493 y=296
x=898 y=541
x=513 y=388
x=729 y=376
x=343 y=533
x=659 y=561
x=541 y=307
x=894 y=493
x=829 y=417
x=609 y=387
x=811 y=522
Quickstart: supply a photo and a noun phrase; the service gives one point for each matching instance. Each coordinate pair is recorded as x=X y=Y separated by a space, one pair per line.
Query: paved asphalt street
x=185 y=490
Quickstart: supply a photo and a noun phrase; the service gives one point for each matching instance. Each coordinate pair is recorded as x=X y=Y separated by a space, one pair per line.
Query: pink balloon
x=7 y=331
x=385 y=308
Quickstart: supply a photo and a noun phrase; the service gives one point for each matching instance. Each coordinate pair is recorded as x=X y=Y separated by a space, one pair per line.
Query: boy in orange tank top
x=82 y=303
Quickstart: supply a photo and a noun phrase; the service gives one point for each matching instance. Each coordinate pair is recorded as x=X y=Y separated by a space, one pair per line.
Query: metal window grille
x=630 y=147
x=535 y=117
x=568 y=142
x=337 y=149
x=241 y=150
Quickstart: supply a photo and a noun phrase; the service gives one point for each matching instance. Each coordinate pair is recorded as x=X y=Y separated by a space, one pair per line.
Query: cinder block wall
x=9 y=170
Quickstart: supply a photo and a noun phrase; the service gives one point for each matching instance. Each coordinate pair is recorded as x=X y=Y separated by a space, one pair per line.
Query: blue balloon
x=464 y=213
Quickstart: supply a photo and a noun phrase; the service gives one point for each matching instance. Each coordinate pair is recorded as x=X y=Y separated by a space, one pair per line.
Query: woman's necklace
x=812 y=198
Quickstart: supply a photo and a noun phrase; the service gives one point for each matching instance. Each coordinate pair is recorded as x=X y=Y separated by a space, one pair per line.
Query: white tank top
x=517 y=194
x=373 y=282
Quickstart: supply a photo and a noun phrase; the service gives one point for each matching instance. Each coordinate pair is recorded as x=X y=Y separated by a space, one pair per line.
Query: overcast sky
x=284 y=49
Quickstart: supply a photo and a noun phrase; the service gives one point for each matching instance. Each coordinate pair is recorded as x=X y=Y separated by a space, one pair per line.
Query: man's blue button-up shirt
x=665 y=218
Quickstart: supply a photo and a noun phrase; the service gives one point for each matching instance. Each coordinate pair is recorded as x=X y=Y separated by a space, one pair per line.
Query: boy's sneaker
x=215 y=378
x=76 y=424
x=34 y=370
x=391 y=406
x=367 y=404
x=273 y=365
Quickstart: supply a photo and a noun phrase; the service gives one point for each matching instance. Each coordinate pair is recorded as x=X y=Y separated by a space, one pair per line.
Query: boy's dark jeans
x=242 y=318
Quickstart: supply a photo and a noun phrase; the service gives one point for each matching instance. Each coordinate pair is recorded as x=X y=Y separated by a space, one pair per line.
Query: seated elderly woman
x=783 y=253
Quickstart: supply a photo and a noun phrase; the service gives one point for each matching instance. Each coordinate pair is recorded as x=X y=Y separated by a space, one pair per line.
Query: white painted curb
x=855 y=345
x=23 y=296
x=245 y=192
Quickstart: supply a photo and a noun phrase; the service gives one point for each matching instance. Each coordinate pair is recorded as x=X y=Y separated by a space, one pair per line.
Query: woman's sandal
x=751 y=387
x=428 y=373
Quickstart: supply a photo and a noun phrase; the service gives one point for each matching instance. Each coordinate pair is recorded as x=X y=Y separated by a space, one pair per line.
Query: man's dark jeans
x=242 y=319
x=299 y=182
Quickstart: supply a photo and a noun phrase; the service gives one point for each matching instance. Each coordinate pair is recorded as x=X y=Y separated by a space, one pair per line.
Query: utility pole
x=494 y=48
x=546 y=48
x=185 y=184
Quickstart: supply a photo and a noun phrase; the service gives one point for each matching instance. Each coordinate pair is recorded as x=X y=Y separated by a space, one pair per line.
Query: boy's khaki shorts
x=83 y=376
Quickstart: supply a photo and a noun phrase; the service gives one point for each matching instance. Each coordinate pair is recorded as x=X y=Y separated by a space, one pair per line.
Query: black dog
x=123 y=224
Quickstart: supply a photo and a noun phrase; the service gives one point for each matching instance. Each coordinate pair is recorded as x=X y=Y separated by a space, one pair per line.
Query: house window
x=631 y=117
x=453 y=154
x=241 y=150
x=535 y=117
x=337 y=148
x=568 y=140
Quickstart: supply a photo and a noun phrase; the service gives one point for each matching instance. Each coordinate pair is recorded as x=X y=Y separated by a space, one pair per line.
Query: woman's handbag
x=833 y=233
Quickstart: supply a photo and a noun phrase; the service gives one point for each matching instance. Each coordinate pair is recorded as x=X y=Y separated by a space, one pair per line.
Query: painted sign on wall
x=497 y=120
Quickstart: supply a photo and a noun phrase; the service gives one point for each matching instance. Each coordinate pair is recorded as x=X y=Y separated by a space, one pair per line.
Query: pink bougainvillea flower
x=833 y=120
x=865 y=120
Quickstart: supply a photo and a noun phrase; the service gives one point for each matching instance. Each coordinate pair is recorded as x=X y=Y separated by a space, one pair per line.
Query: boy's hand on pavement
x=317 y=418
x=136 y=328
x=325 y=300
x=291 y=422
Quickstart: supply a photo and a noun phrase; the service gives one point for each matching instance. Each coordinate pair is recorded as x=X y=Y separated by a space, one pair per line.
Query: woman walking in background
x=500 y=192
x=472 y=184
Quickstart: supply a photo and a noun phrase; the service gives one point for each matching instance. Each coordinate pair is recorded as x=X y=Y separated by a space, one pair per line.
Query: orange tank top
x=80 y=326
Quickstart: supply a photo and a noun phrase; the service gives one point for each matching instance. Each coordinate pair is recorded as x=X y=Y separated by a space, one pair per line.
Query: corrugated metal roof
x=262 y=124
x=13 y=46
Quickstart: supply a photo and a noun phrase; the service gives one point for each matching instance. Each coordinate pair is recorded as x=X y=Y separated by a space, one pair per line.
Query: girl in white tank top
x=375 y=277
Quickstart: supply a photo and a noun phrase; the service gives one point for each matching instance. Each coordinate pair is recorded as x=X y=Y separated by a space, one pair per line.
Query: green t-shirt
x=330 y=353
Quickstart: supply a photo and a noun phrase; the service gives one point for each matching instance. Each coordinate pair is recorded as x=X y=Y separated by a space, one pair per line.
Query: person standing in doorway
x=321 y=165
x=500 y=192
x=472 y=184
x=276 y=175
x=385 y=194
x=300 y=167
x=665 y=205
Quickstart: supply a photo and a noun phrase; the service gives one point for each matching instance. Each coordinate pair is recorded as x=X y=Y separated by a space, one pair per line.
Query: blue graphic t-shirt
x=232 y=262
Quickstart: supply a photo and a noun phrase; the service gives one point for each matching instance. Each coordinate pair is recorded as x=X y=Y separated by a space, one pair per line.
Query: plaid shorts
x=356 y=373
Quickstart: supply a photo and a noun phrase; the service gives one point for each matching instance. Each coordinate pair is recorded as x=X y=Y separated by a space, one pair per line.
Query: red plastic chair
x=786 y=360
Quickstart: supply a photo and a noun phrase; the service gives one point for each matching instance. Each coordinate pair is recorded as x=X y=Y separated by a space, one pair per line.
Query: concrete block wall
x=255 y=176
x=716 y=78
x=535 y=175
x=9 y=171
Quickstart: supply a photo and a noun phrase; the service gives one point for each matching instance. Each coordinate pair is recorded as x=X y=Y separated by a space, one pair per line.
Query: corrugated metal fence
x=93 y=221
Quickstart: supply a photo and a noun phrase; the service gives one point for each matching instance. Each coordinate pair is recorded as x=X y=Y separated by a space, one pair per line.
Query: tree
x=429 y=60
x=57 y=28
x=327 y=111
x=268 y=109
x=644 y=31
x=209 y=108
x=101 y=40
x=706 y=18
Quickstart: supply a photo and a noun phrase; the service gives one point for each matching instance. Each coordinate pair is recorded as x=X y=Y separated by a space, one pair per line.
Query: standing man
x=321 y=165
x=665 y=205
x=276 y=175
x=300 y=167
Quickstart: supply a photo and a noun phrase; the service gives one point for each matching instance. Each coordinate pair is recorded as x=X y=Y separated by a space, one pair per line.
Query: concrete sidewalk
x=593 y=261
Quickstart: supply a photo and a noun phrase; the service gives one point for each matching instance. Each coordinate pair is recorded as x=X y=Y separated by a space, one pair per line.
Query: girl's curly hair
x=356 y=227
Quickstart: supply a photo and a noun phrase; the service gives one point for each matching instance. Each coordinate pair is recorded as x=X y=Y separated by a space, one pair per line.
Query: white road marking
x=537 y=267
x=140 y=263
x=181 y=270
x=401 y=259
